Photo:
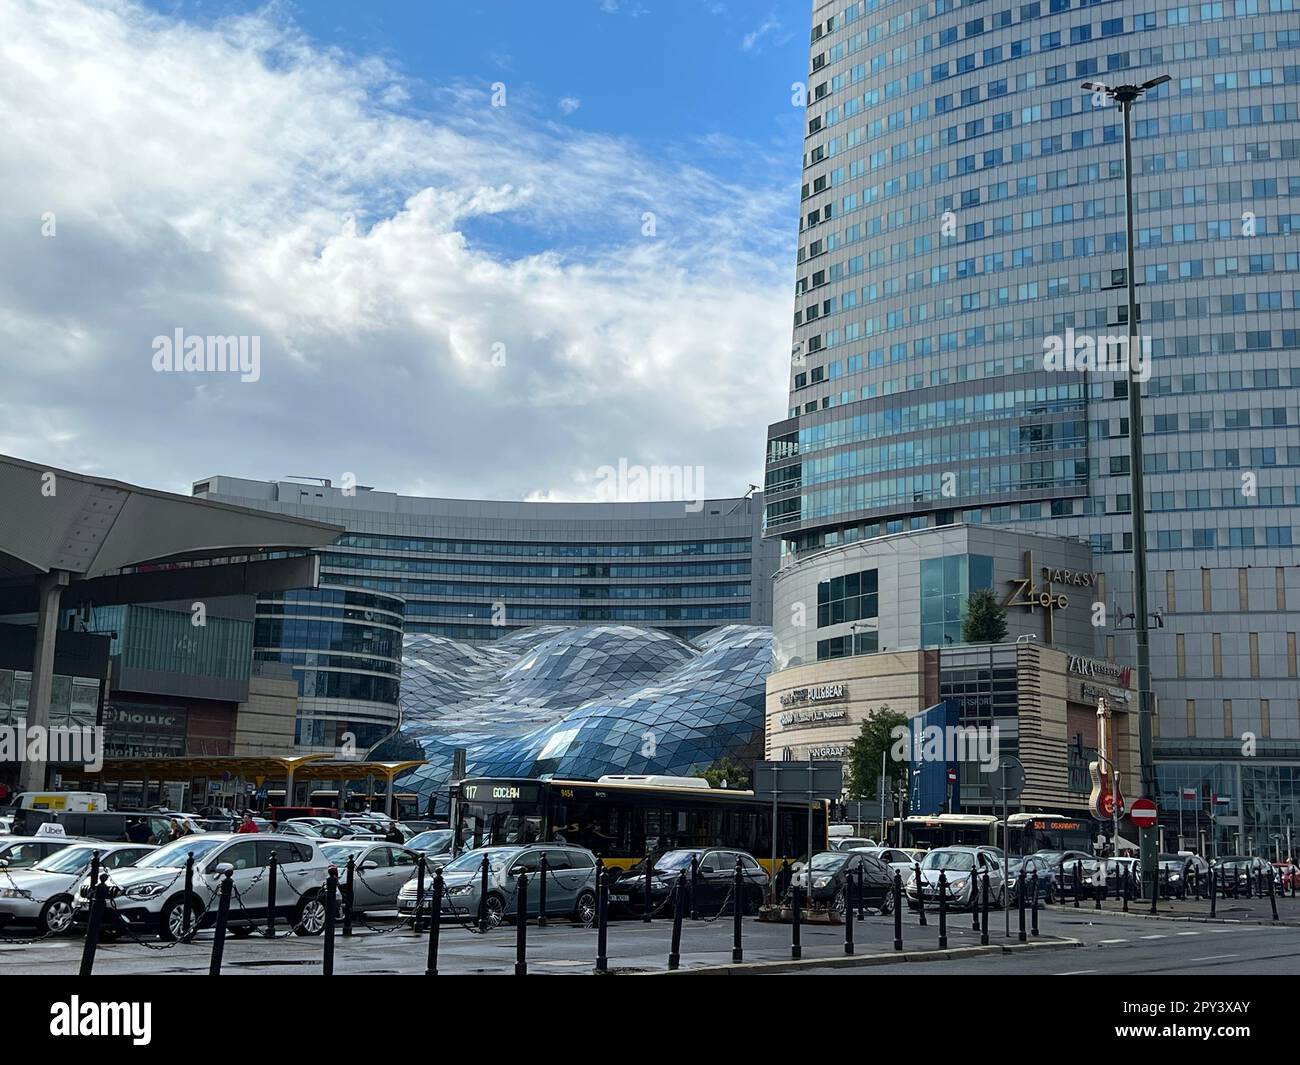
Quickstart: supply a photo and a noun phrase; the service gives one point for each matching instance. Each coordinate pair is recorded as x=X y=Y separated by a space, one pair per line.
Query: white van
x=83 y=802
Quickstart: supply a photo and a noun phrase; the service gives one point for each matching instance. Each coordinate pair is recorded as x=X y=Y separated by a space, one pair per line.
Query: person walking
x=248 y=824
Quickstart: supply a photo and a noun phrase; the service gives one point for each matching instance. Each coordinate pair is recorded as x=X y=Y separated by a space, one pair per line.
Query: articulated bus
x=1026 y=833
x=621 y=821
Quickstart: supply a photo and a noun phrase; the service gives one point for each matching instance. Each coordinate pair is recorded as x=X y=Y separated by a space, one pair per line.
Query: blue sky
x=450 y=298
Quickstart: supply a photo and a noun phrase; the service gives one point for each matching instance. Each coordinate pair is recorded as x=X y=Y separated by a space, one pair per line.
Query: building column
x=49 y=587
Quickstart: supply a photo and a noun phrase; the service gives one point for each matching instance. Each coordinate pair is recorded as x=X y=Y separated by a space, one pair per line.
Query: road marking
x=1189 y=933
x=1151 y=937
x=1216 y=957
x=1104 y=942
x=1078 y=972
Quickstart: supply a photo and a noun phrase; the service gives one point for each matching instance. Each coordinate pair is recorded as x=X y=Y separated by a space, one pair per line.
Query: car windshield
x=338 y=852
x=68 y=860
x=496 y=856
x=948 y=860
x=436 y=839
x=174 y=854
x=675 y=860
x=827 y=860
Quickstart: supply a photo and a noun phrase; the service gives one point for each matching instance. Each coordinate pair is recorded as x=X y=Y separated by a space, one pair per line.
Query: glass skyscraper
x=962 y=209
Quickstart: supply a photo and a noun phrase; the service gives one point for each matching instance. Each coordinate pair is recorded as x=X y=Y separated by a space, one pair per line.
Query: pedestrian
x=394 y=833
x=137 y=830
x=248 y=824
x=178 y=830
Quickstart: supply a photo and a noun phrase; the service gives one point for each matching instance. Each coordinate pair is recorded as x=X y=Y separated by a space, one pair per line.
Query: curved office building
x=962 y=218
x=345 y=648
x=583 y=702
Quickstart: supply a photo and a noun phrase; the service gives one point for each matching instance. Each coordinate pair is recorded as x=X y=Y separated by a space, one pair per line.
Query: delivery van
x=65 y=801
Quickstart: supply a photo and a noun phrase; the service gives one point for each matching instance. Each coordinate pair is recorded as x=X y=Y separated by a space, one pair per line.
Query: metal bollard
x=349 y=883
x=331 y=897
x=482 y=896
x=796 y=947
x=186 y=919
x=898 y=911
x=848 y=917
x=223 y=913
x=271 y=866
x=1128 y=888
x=737 y=912
x=1020 y=891
x=648 y=904
x=1214 y=891
x=1272 y=894
x=417 y=925
x=862 y=894
x=521 y=926
x=542 y=868
x=1033 y=927
x=679 y=905
x=1097 y=889
x=435 y=924
x=983 y=922
x=1078 y=881
x=695 y=883
x=98 y=897
x=1155 y=890
x=602 y=922
x=920 y=894
x=943 y=910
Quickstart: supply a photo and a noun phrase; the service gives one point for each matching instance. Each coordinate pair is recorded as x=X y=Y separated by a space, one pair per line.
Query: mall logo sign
x=822 y=693
x=82 y=745
x=947 y=744
x=1093 y=667
x=812 y=717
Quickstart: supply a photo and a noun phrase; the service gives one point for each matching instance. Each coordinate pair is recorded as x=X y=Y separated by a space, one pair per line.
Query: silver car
x=378 y=871
x=962 y=868
x=570 y=883
x=42 y=895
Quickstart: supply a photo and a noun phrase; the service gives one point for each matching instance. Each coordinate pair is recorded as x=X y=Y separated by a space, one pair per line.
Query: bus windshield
x=1049 y=834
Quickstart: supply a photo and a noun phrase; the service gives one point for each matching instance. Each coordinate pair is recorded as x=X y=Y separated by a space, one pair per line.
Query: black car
x=1240 y=875
x=1047 y=871
x=835 y=881
x=1066 y=863
x=714 y=881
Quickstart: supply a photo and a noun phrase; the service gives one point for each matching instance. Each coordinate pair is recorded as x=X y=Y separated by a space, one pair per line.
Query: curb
x=1263 y=922
x=852 y=961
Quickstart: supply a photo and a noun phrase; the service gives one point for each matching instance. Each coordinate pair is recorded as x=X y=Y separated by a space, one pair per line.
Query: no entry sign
x=1143 y=813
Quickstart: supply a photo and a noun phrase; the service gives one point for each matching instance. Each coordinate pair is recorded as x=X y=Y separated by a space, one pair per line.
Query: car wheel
x=171 y=923
x=56 y=915
x=496 y=910
x=309 y=919
x=839 y=903
x=585 y=910
x=887 y=903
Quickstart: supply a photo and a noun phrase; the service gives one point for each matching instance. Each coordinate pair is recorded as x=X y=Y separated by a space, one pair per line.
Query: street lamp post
x=1126 y=96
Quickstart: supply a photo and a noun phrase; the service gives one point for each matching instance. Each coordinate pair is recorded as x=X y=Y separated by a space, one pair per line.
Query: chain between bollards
x=435 y=924
x=679 y=906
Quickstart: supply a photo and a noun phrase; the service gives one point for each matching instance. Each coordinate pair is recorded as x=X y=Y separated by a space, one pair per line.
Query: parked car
x=333 y=828
x=1031 y=864
x=112 y=826
x=42 y=894
x=434 y=844
x=961 y=867
x=849 y=843
x=570 y=883
x=713 y=882
x=378 y=870
x=835 y=881
x=22 y=852
x=150 y=895
x=1240 y=874
x=898 y=860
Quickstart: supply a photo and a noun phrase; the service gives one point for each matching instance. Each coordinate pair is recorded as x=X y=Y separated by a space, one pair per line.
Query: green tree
x=863 y=765
x=726 y=769
x=986 y=618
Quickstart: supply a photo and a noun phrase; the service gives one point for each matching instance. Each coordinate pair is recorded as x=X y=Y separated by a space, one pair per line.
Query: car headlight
x=460 y=889
x=13 y=893
x=1175 y=876
x=958 y=885
x=821 y=882
x=145 y=891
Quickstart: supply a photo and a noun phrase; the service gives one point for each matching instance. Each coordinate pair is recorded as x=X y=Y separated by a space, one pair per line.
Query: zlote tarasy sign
x=1028 y=593
x=813 y=717
x=818 y=694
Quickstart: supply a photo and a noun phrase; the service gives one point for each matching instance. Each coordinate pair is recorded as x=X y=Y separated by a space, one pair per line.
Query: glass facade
x=345 y=647
x=946 y=583
x=962 y=212
x=579 y=703
x=168 y=641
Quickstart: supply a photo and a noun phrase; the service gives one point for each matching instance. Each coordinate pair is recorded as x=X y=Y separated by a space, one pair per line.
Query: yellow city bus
x=622 y=821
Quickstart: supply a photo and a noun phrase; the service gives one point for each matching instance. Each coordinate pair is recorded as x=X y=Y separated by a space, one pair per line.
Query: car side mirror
x=222 y=868
x=370 y=863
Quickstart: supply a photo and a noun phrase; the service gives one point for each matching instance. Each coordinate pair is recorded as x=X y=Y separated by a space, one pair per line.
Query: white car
x=150 y=895
x=42 y=895
x=378 y=870
x=849 y=843
x=898 y=860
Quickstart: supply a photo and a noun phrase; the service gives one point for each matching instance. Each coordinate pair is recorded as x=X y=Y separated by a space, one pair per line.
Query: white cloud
x=771 y=24
x=569 y=104
x=204 y=177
